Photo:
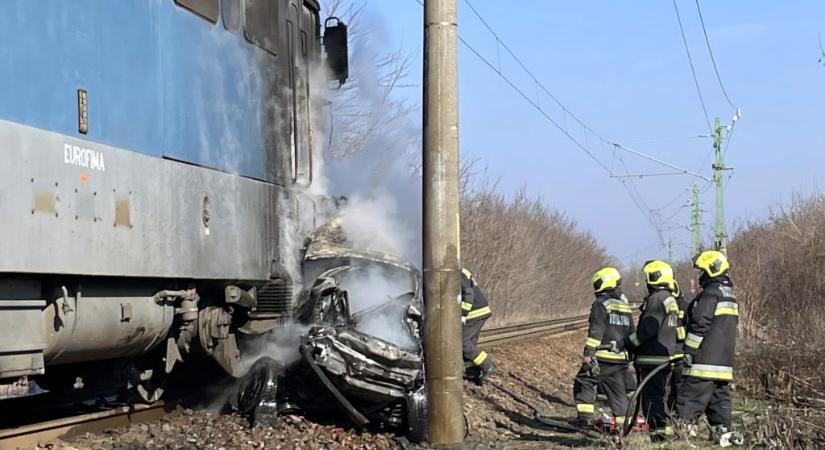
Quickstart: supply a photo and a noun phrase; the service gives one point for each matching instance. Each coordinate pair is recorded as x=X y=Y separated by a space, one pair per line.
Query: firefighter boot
x=488 y=368
x=584 y=422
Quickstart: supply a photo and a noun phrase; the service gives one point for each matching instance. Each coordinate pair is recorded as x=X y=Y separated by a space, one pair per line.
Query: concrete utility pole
x=719 y=179
x=442 y=337
x=696 y=222
x=669 y=250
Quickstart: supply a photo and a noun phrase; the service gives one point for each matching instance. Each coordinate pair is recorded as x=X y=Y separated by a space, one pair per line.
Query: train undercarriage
x=351 y=338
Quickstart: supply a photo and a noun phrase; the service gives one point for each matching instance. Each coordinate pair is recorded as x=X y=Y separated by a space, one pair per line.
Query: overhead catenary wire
x=665 y=141
x=647 y=175
x=627 y=179
x=500 y=43
x=524 y=67
x=534 y=104
x=692 y=68
x=627 y=182
x=712 y=59
x=659 y=161
x=674 y=199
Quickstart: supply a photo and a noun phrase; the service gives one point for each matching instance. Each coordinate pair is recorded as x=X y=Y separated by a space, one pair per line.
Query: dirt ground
x=543 y=371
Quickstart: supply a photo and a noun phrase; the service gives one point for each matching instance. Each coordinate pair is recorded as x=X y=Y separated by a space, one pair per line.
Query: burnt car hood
x=330 y=243
x=363 y=365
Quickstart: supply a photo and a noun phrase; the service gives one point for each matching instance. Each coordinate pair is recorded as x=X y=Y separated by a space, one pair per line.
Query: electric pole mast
x=695 y=222
x=719 y=180
x=669 y=250
x=442 y=338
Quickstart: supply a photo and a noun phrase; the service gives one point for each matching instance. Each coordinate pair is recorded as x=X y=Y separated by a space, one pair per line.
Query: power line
x=665 y=141
x=692 y=69
x=674 y=200
x=538 y=83
x=566 y=111
x=534 y=104
x=640 y=154
x=712 y=59
x=647 y=175
x=628 y=184
x=626 y=179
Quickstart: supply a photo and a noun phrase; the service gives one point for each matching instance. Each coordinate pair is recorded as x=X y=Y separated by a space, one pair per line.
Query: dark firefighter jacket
x=711 y=340
x=474 y=304
x=655 y=340
x=681 y=330
x=610 y=320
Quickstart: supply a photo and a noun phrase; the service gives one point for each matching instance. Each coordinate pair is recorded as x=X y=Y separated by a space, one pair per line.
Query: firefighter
x=474 y=312
x=655 y=343
x=681 y=333
x=709 y=347
x=610 y=320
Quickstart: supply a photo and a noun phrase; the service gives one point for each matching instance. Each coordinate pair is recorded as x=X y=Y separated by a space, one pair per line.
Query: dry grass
x=531 y=260
x=779 y=268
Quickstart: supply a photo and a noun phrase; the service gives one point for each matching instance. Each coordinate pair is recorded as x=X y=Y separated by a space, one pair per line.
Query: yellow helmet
x=658 y=273
x=712 y=263
x=607 y=278
x=674 y=287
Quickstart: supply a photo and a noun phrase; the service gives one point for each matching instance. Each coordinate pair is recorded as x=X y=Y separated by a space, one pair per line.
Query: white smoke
x=375 y=292
x=372 y=158
x=375 y=147
x=281 y=344
x=372 y=223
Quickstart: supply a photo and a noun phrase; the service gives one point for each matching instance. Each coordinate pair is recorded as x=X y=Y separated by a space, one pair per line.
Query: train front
x=155 y=185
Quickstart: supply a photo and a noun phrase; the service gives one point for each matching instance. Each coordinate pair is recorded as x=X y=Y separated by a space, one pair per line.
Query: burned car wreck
x=361 y=325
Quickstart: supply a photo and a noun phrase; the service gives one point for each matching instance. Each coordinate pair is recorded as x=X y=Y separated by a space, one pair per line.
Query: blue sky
x=621 y=67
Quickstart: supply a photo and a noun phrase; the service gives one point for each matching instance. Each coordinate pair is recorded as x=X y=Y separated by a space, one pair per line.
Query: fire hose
x=635 y=402
x=537 y=413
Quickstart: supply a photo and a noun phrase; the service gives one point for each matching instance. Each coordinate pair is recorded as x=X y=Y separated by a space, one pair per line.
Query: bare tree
x=368 y=107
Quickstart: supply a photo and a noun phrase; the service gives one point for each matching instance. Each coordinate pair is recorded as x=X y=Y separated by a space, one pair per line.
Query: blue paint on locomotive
x=160 y=80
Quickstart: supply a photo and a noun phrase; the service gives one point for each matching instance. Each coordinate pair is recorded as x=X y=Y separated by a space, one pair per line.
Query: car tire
x=415 y=415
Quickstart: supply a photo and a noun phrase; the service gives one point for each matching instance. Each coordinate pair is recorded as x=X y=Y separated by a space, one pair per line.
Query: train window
x=262 y=19
x=208 y=9
x=231 y=15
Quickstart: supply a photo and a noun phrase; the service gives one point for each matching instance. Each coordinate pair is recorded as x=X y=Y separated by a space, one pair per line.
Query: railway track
x=511 y=333
x=31 y=435
x=27 y=436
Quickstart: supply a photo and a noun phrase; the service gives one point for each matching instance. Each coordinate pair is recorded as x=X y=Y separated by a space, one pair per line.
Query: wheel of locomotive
x=415 y=415
x=257 y=392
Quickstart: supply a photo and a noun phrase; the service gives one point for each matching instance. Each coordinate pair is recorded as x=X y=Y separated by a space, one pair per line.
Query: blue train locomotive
x=155 y=181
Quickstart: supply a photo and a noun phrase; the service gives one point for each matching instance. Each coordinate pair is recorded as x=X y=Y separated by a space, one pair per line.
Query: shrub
x=530 y=260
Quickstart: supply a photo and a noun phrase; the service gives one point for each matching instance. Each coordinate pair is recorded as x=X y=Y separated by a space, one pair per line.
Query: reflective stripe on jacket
x=713 y=317
x=474 y=304
x=655 y=340
x=681 y=330
x=610 y=320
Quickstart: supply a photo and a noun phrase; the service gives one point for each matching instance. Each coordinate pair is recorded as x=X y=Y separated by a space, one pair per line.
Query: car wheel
x=415 y=409
x=257 y=394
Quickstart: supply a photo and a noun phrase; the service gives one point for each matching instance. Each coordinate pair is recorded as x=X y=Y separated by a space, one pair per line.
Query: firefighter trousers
x=653 y=395
x=710 y=397
x=473 y=355
x=611 y=380
x=675 y=382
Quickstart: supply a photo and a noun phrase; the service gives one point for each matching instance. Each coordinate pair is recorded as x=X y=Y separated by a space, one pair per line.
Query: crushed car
x=361 y=321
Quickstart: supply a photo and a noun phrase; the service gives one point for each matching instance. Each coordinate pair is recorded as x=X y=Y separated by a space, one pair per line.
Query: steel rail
x=550 y=327
x=509 y=333
x=31 y=435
